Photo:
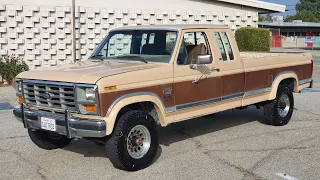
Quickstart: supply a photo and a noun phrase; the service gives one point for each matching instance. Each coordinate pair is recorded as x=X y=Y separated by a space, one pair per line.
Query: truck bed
x=256 y=61
x=262 y=69
x=253 y=55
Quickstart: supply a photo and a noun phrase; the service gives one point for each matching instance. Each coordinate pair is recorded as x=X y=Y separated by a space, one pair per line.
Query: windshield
x=137 y=45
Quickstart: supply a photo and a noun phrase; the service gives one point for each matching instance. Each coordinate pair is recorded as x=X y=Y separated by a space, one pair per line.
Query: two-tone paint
x=247 y=79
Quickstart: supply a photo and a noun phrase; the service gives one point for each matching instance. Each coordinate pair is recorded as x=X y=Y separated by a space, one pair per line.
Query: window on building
x=304 y=34
x=297 y=34
x=291 y=33
x=284 y=33
x=193 y=44
x=316 y=33
x=221 y=47
x=228 y=45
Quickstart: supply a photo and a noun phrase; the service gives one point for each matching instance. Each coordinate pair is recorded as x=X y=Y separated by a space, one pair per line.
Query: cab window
x=228 y=45
x=221 y=46
x=193 y=44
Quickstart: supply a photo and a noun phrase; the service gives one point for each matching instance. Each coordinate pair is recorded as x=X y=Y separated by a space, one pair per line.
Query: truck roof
x=175 y=26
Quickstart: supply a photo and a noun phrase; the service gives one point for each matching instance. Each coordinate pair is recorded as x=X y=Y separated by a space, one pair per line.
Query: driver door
x=195 y=85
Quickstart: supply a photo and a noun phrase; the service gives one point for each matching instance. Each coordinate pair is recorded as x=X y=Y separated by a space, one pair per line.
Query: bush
x=253 y=39
x=10 y=67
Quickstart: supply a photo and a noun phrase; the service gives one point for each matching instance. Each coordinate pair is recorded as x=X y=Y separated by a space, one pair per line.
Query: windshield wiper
x=134 y=58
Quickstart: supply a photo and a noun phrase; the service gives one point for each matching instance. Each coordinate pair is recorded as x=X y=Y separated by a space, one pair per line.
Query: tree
x=262 y=19
x=307 y=11
x=304 y=16
x=312 y=6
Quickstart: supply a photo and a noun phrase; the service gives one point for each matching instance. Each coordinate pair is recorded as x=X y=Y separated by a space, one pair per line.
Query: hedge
x=253 y=39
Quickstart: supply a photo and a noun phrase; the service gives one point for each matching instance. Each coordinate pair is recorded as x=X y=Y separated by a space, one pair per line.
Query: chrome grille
x=60 y=96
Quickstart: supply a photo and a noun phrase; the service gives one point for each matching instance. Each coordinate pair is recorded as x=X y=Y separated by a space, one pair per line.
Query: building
x=291 y=34
x=41 y=31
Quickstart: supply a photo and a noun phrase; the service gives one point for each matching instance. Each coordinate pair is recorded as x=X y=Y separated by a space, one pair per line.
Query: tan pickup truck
x=143 y=77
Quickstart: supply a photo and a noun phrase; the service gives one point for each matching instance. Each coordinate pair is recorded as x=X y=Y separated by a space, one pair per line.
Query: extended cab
x=142 y=77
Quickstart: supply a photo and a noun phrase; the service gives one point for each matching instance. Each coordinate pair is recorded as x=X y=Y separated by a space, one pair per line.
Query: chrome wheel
x=283 y=105
x=138 y=141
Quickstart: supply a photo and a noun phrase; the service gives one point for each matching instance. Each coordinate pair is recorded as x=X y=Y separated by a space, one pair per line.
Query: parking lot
x=227 y=145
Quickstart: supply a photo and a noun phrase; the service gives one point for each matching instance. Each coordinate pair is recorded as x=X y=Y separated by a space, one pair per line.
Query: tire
x=99 y=144
x=143 y=149
x=278 y=112
x=48 y=140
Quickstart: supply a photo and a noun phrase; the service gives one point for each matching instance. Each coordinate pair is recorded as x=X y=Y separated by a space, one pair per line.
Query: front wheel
x=48 y=140
x=278 y=112
x=134 y=142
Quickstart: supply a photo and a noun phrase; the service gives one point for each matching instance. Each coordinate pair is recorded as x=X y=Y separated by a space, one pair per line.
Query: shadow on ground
x=180 y=131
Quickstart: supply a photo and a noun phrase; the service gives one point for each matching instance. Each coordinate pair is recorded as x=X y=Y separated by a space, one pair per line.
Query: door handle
x=215 y=69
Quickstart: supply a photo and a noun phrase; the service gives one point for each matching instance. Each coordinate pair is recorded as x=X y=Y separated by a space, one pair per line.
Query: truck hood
x=87 y=72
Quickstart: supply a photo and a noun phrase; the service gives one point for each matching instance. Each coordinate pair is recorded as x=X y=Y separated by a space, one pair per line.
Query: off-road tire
x=271 y=113
x=116 y=146
x=43 y=139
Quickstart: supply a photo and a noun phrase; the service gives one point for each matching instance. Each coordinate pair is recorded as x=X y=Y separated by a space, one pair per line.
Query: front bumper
x=72 y=127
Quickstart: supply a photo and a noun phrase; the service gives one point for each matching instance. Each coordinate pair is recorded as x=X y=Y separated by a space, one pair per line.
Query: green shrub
x=10 y=67
x=253 y=39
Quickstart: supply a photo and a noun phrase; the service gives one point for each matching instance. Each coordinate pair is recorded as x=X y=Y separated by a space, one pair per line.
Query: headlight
x=91 y=94
x=19 y=86
x=88 y=99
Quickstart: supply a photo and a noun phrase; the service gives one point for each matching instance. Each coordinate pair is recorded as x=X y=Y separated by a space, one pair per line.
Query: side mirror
x=205 y=59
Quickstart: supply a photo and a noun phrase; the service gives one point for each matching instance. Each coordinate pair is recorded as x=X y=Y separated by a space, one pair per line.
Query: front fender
x=128 y=99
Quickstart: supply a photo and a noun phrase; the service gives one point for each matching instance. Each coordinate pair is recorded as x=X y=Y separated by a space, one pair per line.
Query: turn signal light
x=20 y=99
x=91 y=108
x=110 y=88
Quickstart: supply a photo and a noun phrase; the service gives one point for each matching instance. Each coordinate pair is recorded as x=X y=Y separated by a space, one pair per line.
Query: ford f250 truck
x=140 y=78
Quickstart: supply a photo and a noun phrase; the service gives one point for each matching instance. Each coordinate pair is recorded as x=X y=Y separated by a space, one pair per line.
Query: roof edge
x=264 y=6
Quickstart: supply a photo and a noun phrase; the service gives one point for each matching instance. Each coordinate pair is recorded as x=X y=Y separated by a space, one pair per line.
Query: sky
x=286 y=2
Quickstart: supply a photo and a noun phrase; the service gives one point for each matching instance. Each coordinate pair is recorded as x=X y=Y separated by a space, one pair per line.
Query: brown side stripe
x=263 y=79
x=106 y=99
x=211 y=88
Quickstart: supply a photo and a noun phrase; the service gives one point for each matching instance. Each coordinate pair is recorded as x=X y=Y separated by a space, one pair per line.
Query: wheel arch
x=289 y=78
x=131 y=99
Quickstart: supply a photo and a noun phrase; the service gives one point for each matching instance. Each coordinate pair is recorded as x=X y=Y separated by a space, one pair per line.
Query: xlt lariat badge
x=167 y=94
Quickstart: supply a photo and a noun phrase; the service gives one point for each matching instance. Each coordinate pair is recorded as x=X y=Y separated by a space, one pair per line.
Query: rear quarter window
x=228 y=45
x=221 y=46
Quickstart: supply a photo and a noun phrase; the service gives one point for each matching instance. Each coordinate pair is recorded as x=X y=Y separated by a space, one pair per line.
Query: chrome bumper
x=67 y=125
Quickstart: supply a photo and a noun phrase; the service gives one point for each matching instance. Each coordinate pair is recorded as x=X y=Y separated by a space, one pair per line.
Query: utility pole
x=74 y=51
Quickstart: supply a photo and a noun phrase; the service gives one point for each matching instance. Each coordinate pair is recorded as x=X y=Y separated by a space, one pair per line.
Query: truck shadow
x=181 y=131
x=208 y=125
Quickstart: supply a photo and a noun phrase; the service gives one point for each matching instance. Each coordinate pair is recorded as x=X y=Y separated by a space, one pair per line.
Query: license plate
x=48 y=124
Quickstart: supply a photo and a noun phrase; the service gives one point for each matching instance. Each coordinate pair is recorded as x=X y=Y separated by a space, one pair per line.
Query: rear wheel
x=134 y=142
x=278 y=112
x=48 y=140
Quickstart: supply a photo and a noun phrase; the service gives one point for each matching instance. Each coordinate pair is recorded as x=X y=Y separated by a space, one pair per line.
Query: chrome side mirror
x=205 y=59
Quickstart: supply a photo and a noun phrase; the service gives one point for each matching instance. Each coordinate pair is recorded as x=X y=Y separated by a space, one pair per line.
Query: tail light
x=312 y=64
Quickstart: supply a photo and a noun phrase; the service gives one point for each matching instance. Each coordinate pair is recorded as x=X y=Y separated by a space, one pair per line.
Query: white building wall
x=41 y=32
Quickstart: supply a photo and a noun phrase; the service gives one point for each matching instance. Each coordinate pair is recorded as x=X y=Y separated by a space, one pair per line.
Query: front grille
x=50 y=96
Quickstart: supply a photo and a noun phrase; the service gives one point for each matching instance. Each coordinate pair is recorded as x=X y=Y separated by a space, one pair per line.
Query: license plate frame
x=48 y=124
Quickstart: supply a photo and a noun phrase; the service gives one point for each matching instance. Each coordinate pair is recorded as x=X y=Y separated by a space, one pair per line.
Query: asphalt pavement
x=228 y=145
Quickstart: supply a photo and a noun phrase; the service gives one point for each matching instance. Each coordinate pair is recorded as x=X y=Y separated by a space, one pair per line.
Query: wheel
x=278 y=112
x=134 y=142
x=48 y=140
x=99 y=143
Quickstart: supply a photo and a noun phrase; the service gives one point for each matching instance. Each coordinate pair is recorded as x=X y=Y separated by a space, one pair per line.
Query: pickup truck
x=140 y=78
